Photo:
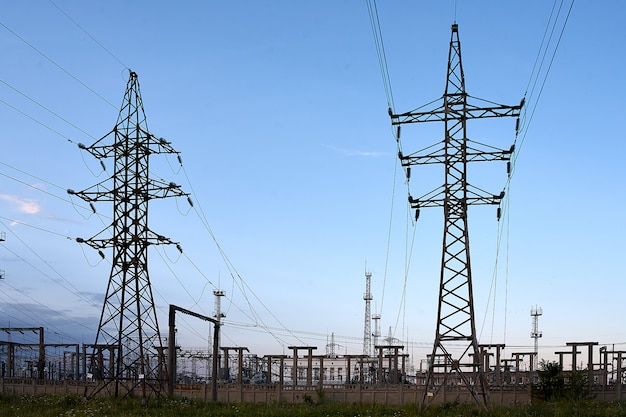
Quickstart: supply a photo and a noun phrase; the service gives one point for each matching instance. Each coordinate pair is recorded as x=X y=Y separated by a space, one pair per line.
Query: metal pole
x=171 y=352
x=216 y=334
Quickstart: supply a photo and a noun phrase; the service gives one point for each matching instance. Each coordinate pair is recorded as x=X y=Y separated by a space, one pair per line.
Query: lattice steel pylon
x=367 y=326
x=128 y=353
x=455 y=356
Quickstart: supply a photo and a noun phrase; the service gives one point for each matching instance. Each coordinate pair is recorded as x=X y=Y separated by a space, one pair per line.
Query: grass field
x=68 y=406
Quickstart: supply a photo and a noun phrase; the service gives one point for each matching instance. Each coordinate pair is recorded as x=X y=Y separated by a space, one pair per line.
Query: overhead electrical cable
x=90 y=210
x=25 y=294
x=233 y=271
x=88 y=34
x=27 y=310
x=409 y=243
x=47 y=109
x=380 y=51
x=37 y=121
x=384 y=71
x=57 y=65
x=72 y=288
x=532 y=103
x=535 y=102
x=41 y=229
x=35 y=187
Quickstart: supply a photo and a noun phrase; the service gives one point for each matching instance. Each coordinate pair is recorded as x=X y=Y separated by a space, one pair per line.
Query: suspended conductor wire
x=73 y=288
x=543 y=40
x=88 y=34
x=57 y=65
x=233 y=271
x=384 y=72
x=34 y=187
x=407 y=267
x=29 y=312
x=41 y=229
x=393 y=194
x=493 y=288
x=100 y=216
x=543 y=50
x=543 y=83
x=46 y=109
x=181 y=317
x=380 y=50
x=36 y=121
x=506 y=272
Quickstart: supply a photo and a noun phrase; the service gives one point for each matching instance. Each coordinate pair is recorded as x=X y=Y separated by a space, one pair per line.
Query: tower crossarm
x=150 y=144
x=437 y=198
x=154 y=189
x=102 y=243
x=468 y=112
x=439 y=156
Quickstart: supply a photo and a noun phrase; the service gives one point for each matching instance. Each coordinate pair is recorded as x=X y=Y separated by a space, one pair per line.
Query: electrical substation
x=133 y=356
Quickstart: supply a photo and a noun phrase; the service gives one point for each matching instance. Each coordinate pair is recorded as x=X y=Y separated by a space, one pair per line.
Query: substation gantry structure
x=128 y=326
x=455 y=337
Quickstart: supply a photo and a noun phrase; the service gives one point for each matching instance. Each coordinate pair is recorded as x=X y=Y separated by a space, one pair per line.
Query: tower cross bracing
x=455 y=337
x=128 y=352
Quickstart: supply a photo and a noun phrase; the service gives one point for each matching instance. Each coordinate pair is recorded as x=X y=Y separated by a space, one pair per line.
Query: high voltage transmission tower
x=455 y=356
x=128 y=354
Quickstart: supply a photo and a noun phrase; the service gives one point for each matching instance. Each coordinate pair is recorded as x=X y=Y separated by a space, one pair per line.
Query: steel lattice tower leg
x=455 y=356
x=128 y=334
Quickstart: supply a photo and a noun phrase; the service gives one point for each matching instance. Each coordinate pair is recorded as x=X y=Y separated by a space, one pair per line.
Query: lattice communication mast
x=535 y=333
x=128 y=352
x=367 y=326
x=455 y=355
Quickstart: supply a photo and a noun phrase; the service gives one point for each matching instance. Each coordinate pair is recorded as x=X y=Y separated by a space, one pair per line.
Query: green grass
x=70 y=406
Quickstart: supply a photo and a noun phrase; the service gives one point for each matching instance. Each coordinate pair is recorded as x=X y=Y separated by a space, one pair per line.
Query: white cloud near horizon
x=23 y=205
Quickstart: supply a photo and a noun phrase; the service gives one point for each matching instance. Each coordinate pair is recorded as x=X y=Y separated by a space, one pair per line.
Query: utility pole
x=128 y=323
x=455 y=337
x=367 y=327
x=3 y=237
x=376 y=333
x=218 y=315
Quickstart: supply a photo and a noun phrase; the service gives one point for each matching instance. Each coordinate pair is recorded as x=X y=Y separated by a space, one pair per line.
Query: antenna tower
x=455 y=337
x=535 y=312
x=128 y=332
x=367 y=327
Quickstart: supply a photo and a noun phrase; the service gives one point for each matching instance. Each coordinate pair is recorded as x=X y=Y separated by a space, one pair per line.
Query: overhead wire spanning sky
x=280 y=115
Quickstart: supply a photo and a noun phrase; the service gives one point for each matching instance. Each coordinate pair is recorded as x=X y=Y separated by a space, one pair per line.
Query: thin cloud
x=23 y=205
x=355 y=152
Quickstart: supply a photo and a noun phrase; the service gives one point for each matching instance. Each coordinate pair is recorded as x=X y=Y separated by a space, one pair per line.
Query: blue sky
x=279 y=112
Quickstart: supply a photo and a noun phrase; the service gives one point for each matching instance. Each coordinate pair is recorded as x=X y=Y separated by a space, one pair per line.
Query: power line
x=57 y=65
x=37 y=228
x=543 y=82
x=88 y=34
x=47 y=109
x=73 y=288
x=380 y=51
x=44 y=306
x=37 y=121
x=233 y=271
